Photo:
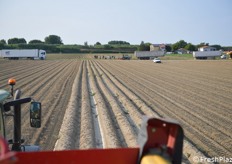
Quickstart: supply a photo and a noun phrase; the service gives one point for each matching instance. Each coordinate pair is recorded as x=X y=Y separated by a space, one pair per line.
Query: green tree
x=107 y=46
x=3 y=41
x=98 y=44
x=35 y=41
x=202 y=44
x=22 y=40
x=119 y=42
x=181 y=44
x=53 y=39
x=13 y=41
x=16 y=41
x=144 y=46
x=86 y=44
x=190 y=47
x=168 y=48
x=218 y=47
x=178 y=45
x=1 y=45
x=175 y=47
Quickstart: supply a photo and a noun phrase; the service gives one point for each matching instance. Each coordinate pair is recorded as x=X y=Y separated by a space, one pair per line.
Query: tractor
x=12 y=108
x=160 y=141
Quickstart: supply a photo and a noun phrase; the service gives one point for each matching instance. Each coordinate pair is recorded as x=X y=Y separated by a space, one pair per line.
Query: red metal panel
x=109 y=156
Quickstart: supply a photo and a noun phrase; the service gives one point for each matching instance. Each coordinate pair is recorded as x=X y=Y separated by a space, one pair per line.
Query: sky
x=91 y=21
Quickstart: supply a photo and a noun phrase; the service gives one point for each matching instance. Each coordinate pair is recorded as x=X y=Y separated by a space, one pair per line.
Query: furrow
x=87 y=138
x=110 y=136
x=121 y=116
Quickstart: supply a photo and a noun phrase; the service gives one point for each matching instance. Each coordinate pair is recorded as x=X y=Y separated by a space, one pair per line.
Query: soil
x=100 y=103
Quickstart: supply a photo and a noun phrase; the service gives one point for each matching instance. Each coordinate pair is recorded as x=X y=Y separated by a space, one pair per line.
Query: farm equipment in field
x=160 y=141
x=125 y=57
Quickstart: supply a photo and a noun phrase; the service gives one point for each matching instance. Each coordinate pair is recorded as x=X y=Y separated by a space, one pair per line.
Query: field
x=91 y=103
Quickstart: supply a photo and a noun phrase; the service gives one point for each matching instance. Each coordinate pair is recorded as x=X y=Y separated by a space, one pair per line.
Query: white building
x=207 y=48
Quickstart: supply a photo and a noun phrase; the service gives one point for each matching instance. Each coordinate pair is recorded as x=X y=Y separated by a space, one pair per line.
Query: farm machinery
x=160 y=141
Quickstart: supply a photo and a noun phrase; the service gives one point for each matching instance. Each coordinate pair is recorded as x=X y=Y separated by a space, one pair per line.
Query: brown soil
x=49 y=82
x=100 y=103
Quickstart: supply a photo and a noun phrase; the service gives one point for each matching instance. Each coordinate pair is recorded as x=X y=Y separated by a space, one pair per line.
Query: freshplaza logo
x=212 y=159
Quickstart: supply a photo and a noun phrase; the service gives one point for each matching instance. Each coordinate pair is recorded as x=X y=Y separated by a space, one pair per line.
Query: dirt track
x=112 y=95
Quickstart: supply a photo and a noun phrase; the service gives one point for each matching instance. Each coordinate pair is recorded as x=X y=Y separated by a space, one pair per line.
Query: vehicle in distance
x=126 y=57
x=15 y=54
x=156 y=60
x=223 y=56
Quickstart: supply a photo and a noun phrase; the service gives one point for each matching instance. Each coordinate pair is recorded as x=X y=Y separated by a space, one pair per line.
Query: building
x=207 y=48
x=157 y=47
x=181 y=51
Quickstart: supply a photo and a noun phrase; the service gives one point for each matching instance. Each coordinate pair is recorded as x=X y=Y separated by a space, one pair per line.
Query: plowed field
x=102 y=101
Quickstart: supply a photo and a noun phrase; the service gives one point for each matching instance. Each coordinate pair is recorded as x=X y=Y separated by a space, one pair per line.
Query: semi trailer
x=15 y=54
x=147 y=55
x=206 y=54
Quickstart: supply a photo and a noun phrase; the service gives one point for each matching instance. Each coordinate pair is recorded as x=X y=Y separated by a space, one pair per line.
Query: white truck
x=206 y=54
x=15 y=54
x=146 y=55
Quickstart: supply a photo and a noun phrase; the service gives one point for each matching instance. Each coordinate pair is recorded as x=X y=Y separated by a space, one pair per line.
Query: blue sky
x=154 y=21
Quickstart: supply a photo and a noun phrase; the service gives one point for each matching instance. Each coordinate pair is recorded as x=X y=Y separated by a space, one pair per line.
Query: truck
x=15 y=54
x=147 y=55
x=206 y=54
x=159 y=140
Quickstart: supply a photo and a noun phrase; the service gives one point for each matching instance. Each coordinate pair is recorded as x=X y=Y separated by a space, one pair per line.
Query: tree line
x=183 y=44
x=54 y=44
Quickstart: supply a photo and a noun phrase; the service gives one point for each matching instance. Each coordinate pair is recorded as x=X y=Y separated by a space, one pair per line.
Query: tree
x=16 y=41
x=3 y=41
x=118 y=42
x=181 y=44
x=53 y=39
x=22 y=40
x=144 y=46
x=98 y=44
x=202 y=44
x=35 y=41
x=175 y=47
x=168 y=48
x=86 y=44
x=178 y=45
x=107 y=46
x=218 y=47
x=1 y=45
x=190 y=47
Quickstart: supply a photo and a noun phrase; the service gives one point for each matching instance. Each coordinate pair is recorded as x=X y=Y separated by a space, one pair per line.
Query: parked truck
x=15 y=54
x=147 y=55
x=206 y=54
